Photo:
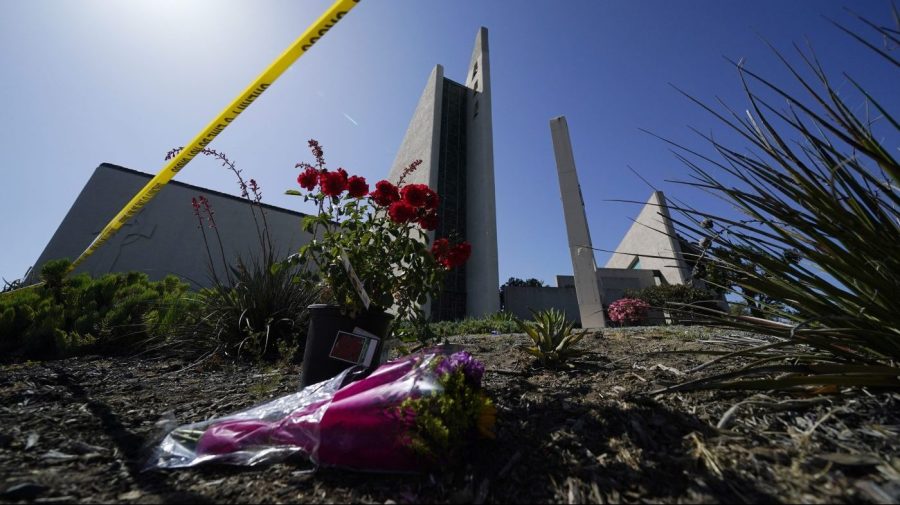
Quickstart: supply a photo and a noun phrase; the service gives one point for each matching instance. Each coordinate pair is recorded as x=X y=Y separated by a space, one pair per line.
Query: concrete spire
x=482 y=270
x=587 y=284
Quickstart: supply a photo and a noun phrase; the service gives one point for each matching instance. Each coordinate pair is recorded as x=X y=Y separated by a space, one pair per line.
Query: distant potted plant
x=370 y=249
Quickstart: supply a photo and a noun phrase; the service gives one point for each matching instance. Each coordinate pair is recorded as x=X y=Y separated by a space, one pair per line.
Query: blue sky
x=92 y=81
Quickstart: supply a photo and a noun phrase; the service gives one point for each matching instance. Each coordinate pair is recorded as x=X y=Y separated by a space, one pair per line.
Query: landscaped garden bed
x=82 y=429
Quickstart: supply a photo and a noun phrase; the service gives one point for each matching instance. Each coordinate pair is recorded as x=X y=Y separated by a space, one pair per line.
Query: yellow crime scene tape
x=300 y=46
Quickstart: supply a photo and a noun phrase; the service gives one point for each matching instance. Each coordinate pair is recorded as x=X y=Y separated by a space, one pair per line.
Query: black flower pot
x=333 y=346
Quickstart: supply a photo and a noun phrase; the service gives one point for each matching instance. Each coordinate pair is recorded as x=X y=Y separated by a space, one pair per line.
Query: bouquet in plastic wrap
x=409 y=414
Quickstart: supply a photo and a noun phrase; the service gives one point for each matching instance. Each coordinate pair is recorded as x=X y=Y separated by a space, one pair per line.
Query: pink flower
x=628 y=310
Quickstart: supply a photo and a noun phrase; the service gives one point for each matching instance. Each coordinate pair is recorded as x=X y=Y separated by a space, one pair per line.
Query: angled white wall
x=422 y=138
x=650 y=243
x=163 y=238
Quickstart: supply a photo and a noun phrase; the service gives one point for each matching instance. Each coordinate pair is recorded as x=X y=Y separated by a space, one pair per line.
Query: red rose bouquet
x=410 y=415
x=371 y=244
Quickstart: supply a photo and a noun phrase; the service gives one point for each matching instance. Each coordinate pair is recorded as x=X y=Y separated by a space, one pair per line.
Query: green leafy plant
x=500 y=322
x=552 y=336
x=113 y=314
x=373 y=246
x=683 y=302
x=818 y=255
x=257 y=306
x=262 y=313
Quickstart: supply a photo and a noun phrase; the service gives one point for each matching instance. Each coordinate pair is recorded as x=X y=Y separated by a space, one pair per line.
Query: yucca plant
x=264 y=309
x=818 y=256
x=552 y=336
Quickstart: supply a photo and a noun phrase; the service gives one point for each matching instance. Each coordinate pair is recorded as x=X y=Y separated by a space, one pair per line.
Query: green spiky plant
x=818 y=257
x=257 y=304
x=552 y=337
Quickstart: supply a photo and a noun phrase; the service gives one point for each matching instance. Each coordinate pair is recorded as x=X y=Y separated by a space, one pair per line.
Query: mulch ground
x=80 y=430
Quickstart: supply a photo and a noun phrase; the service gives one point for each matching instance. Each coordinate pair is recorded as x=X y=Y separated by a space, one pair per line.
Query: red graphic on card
x=348 y=347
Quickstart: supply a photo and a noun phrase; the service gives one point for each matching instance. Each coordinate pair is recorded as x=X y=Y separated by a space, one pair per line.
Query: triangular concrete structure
x=650 y=243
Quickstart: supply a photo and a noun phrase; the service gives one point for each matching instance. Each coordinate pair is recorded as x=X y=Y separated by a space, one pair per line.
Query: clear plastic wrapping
x=408 y=413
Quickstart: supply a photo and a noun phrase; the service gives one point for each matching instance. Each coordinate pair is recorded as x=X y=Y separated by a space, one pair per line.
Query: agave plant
x=552 y=336
x=818 y=256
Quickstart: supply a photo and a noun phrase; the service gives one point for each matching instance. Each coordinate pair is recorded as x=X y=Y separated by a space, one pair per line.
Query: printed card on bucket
x=357 y=347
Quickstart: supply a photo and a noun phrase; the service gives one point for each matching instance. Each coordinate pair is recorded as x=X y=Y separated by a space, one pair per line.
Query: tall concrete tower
x=587 y=283
x=451 y=131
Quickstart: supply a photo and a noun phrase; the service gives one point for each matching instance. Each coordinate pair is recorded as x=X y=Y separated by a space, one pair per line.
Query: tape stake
x=298 y=48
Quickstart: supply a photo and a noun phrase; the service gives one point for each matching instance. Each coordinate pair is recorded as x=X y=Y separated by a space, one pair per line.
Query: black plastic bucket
x=325 y=322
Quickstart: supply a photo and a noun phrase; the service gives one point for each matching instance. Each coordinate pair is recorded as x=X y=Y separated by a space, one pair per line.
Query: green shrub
x=684 y=303
x=500 y=322
x=257 y=307
x=115 y=313
x=552 y=336
x=261 y=313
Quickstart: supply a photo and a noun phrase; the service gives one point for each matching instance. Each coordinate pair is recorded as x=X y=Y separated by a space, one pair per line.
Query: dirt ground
x=80 y=430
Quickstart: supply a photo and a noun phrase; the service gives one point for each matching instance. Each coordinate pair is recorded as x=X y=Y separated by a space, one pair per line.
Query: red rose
x=385 y=193
x=429 y=221
x=415 y=194
x=450 y=257
x=440 y=248
x=401 y=212
x=332 y=183
x=459 y=254
x=343 y=173
x=357 y=187
x=308 y=178
x=432 y=200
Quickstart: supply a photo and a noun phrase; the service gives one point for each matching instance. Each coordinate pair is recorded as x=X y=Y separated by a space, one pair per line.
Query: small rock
x=56 y=456
x=131 y=495
x=24 y=491
x=84 y=448
x=32 y=440
x=56 y=499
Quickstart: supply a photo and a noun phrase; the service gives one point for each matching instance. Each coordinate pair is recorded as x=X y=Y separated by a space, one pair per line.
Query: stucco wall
x=519 y=299
x=422 y=135
x=163 y=238
x=615 y=281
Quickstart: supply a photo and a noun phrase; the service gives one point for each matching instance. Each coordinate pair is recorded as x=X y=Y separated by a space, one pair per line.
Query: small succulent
x=552 y=336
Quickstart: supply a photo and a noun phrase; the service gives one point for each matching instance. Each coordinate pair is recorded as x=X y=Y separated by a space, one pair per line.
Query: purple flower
x=471 y=367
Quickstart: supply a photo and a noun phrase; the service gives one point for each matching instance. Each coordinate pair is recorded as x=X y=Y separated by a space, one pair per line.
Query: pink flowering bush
x=628 y=311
